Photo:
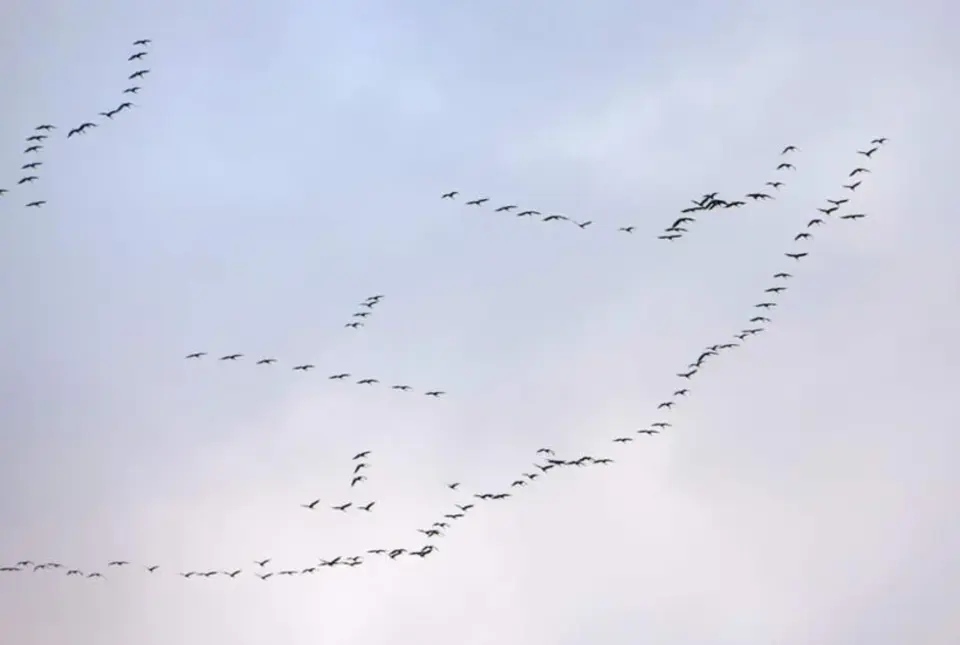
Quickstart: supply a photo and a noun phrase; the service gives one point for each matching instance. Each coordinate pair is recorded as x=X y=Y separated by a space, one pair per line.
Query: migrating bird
x=132 y=90
x=786 y=166
x=36 y=204
x=32 y=149
x=268 y=361
x=312 y=505
x=140 y=73
x=196 y=355
x=505 y=209
x=231 y=357
x=27 y=180
x=868 y=153
x=450 y=195
x=142 y=43
x=857 y=171
x=627 y=229
x=46 y=127
x=796 y=256
x=137 y=56
x=788 y=149
x=304 y=368
x=853 y=216
x=852 y=186
x=880 y=141
x=478 y=202
x=31 y=165
x=435 y=393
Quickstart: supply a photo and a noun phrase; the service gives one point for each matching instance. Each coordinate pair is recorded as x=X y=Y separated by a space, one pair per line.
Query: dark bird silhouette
x=261 y=563
x=142 y=42
x=868 y=153
x=367 y=507
x=786 y=166
x=852 y=186
x=435 y=393
x=505 y=209
x=857 y=171
x=367 y=381
x=36 y=204
x=196 y=355
x=304 y=367
x=312 y=505
x=670 y=237
x=140 y=73
x=267 y=361
x=784 y=276
x=682 y=392
x=450 y=195
x=27 y=180
x=356 y=480
x=342 y=507
x=687 y=375
x=775 y=289
x=853 y=216
x=31 y=165
x=880 y=141
x=648 y=432
x=765 y=305
x=46 y=127
x=132 y=90
x=814 y=222
x=478 y=202
x=665 y=404
x=627 y=229
x=339 y=377
x=361 y=455
x=554 y=218
x=788 y=149
x=403 y=388
x=756 y=196
x=584 y=224
x=36 y=137
x=838 y=202
x=802 y=236
x=354 y=325
x=33 y=149
x=231 y=357
x=796 y=256
x=453 y=486
x=775 y=184
x=137 y=56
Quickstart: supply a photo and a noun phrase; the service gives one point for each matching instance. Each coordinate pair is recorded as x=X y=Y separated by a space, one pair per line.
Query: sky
x=285 y=161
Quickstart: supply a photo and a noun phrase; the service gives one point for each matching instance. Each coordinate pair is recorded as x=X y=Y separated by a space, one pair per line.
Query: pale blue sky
x=285 y=161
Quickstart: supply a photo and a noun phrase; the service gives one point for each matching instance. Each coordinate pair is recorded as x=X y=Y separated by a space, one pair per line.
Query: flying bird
x=137 y=56
x=140 y=73
x=796 y=256
x=196 y=355
x=478 y=202
x=450 y=195
x=788 y=149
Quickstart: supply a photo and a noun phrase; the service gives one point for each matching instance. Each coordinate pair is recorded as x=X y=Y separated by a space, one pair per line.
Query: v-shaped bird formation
x=36 y=141
x=836 y=208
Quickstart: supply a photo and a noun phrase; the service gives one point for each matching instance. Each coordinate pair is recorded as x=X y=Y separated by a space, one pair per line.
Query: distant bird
x=339 y=377
x=554 y=218
x=838 y=202
x=31 y=165
x=32 y=149
x=687 y=375
x=775 y=289
x=36 y=204
x=478 y=202
x=665 y=404
x=880 y=141
x=450 y=195
x=231 y=357
x=267 y=361
x=802 y=236
x=36 y=137
x=132 y=90
x=262 y=563
x=140 y=73
x=342 y=507
x=304 y=367
x=852 y=186
x=758 y=196
x=403 y=388
x=153 y=568
x=312 y=505
x=853 y=216
x=196 y=355
x=505 y=209
x=775 y=184
x=367 y=507
x=814 y=222
x=796 y=256
x=27 y=180
x=649 y=432
x=354 y=325
x=627 y=229
x=857 y=171
x=453 y=486
x=367 y=381
x=435 y=393
x=356 y=480
x=361 y=455
x=788 y=149
x=868 y=153
x=142 y=43
x=786 y=166
x=670 y=238
x=45 y=127
x=782 y=275
x=584 y=224
x=137 y=56
x=682 y=392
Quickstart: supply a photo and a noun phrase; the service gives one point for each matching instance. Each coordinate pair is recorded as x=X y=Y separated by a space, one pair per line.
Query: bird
x=880 y=141
x=783 y=276
x=304 y=367
x=31 y=165
x=46 y=127
x=857 y=171
x=478 y=202
x=838 y=202
x=852 y=186
x=450 y=195
x=339 y=377
x=196 y=355
x=786 y=166
x=137 y=56
x=312 y=505
x=796 y=256
x=27 y=180
x=132 y=90
x=687 y=375
x=367 y=381
x=802 y=236
x=670 y=238
x=665 y=404
x=775 y=289
x=788 y=149
x=453 y=486
x=814 y=222
x=342 y=507
x=36 y=204
x=868 y=153
x=36 y=148
x=153 y=568
x=142 y=42
x=231 y=357
x=627 y=229
x=435 y=393
x=354 y=325
x=262 y=563
x=758 y=196
x=402 y=388
x=584 y=224
x=505 y=209
x=682 y=392
x=367 y=507
x=267 y=361
x=356 y=480
x=775 y=184
x=140 y=73
x=853 y=216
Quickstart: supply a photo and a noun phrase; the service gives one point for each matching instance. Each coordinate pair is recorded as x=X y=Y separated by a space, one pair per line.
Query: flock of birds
x=365 y=311
x=36 y=141
x=545 y=461
x=680 y=225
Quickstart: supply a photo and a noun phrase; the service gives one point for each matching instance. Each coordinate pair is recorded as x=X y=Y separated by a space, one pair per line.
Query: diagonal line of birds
x=707 y=202
x=35 y=142
x=546 y=460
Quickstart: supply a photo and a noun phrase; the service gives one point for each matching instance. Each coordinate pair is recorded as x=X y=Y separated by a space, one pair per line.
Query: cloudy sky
x=285 y=160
